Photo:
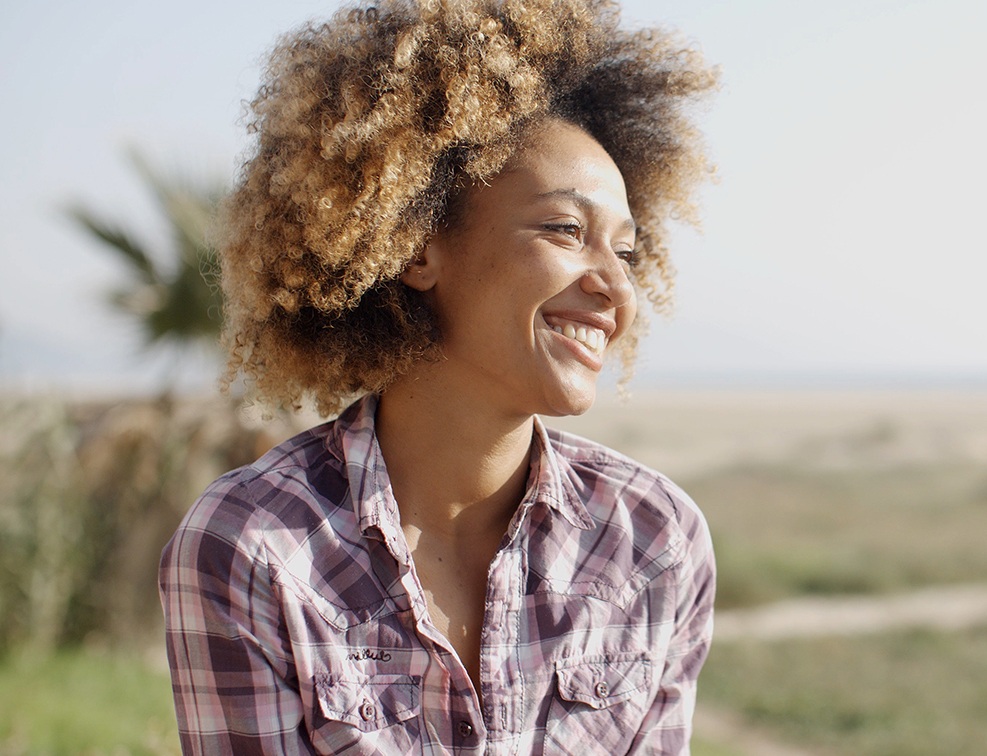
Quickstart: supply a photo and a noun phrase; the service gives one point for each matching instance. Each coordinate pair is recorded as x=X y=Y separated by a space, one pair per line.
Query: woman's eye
x=573 y=230
x=628 y=256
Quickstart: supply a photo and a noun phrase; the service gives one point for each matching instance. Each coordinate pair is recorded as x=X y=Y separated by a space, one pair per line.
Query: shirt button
x=602 y=690
x=368 y=711
x=465 y=729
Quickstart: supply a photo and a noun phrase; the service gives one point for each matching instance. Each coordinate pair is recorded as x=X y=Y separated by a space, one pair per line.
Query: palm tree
x=174 y=295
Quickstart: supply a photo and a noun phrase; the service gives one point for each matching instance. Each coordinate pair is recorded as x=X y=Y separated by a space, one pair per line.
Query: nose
x=607 y=276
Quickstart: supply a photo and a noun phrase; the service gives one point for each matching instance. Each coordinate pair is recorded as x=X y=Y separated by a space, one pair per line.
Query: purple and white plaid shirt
x=296 y=623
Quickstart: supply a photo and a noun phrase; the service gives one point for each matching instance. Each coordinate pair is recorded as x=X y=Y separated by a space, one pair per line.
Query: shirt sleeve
x=231 y=665
x=667 y=727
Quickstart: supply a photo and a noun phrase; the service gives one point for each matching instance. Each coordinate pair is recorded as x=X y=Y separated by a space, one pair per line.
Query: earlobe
x=422 y=273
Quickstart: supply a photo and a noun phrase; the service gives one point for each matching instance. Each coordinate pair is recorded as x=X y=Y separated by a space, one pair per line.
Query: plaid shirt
x=296 y=623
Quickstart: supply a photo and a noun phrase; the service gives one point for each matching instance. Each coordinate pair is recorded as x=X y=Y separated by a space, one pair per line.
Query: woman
x=450 y=214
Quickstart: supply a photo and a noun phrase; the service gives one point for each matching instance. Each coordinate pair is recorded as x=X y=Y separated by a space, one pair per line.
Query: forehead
x=556 y=161
x=558 y=155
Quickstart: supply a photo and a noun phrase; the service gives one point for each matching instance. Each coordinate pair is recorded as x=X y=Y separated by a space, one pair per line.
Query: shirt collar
x=551 y=481
x=355 y=443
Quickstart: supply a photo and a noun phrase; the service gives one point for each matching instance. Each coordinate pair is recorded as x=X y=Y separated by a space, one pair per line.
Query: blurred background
x=821 y=389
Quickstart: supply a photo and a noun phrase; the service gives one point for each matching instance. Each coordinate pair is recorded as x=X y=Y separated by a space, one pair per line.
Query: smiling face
x=532 y=285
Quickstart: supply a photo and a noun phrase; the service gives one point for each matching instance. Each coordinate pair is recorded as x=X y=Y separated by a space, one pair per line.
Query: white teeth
x=593 y=338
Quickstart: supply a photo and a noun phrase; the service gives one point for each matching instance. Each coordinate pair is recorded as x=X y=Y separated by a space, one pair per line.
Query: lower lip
x=589 y=358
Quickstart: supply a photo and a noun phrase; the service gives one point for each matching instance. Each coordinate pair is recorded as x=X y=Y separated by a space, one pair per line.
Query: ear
x=423 y=272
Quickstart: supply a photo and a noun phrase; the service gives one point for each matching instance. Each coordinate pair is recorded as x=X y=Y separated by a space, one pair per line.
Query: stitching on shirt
x=574 y=665
x=522 y=567
x=267 y=562
x=674 y=544
x=401 y=692
x=299 y=445
x=346 y=611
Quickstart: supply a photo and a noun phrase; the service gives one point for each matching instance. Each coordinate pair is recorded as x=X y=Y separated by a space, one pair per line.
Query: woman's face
x=532 y=286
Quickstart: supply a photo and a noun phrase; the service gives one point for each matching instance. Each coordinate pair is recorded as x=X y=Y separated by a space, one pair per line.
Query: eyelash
x=629 y=256
x=577 y=231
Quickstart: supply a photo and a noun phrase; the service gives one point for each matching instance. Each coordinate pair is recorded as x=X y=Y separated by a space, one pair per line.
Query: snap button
x=368 y=711
x=602 y=690
x=465 y=729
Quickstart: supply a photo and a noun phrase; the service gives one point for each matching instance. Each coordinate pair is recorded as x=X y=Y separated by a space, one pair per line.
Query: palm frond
x=118 y=240
x=178 y=303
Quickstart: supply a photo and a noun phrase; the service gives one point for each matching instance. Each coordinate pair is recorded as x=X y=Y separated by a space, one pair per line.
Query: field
x=852 y=605
x=85 y=701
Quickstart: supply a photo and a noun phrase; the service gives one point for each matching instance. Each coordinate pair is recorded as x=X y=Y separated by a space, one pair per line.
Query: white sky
x=843 y=239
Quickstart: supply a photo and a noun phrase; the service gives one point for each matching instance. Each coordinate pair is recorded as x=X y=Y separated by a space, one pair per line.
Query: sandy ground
x=951 y=607
x=685 y=433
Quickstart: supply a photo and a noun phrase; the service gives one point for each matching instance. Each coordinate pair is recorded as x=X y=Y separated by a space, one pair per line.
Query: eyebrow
x=584 y=203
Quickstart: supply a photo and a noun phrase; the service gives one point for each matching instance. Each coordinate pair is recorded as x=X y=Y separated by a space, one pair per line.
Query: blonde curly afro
x=368 y=128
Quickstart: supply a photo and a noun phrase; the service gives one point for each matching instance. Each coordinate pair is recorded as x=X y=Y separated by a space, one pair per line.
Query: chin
x=574 y=401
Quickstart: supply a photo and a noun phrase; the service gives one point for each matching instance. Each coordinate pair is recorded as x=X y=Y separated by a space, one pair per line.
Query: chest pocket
x=599 y=704
x=379 y=714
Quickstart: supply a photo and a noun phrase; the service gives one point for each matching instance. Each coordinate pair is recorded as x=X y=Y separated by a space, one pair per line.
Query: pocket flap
x=602 y=681
x=372 y=703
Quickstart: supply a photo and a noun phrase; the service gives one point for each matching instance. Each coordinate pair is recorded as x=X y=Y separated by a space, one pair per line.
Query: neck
x=456 y=468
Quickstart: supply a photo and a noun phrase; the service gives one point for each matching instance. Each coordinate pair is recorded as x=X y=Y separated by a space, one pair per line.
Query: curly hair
x=369 y=127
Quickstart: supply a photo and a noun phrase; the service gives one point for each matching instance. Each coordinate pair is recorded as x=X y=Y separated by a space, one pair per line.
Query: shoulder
x=616 y=489
x=603 y=469
x=636 y=532
x=286 y=494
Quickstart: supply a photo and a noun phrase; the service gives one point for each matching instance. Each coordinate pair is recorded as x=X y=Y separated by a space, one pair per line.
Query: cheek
x=632 y=307
x=626 y=314
x=527 y=281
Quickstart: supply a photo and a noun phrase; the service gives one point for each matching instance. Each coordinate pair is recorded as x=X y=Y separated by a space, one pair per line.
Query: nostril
x=614 y=286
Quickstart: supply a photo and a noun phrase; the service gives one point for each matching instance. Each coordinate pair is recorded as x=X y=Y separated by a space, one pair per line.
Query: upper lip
x=587 y=317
